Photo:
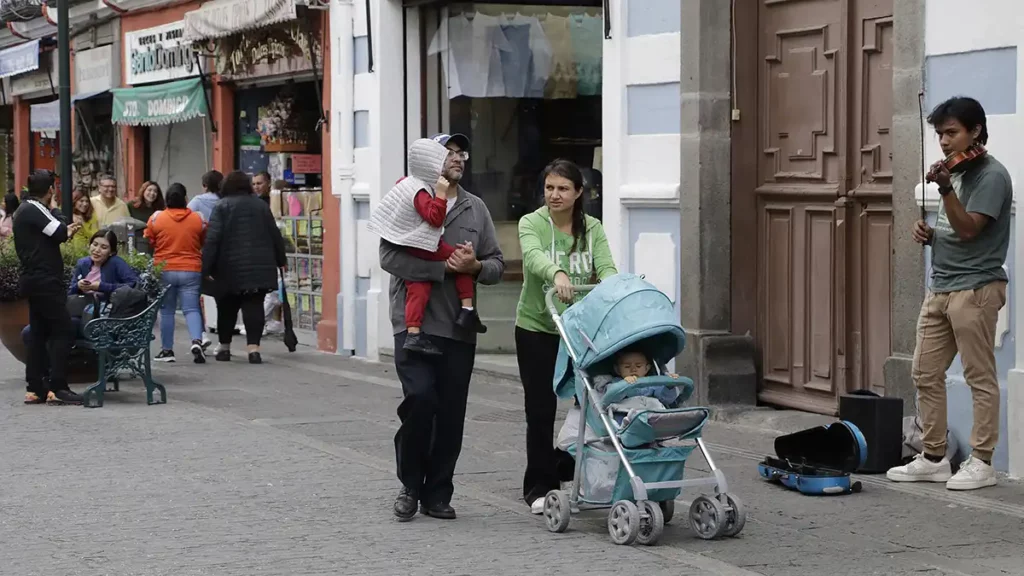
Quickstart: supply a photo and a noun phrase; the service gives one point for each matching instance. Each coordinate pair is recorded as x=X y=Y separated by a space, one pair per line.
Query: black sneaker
x=469 y=319
x=63 y=397
x=440 y=511
x=198 y=352
x=255 y=358
x=223 y=356
x=421 y=343
x=405 y=505
x=165 y=356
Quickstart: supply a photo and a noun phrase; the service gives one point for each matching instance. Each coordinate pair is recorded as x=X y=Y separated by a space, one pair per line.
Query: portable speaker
x=880 y=419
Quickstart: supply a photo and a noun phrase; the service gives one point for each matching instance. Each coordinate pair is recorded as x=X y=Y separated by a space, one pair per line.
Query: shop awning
x=19 y=59
x=44 y=117
x=159 y=104
x=226 y=17
x=87 y=95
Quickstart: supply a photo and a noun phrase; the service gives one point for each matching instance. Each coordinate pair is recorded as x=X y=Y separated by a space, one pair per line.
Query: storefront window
x=524 y=84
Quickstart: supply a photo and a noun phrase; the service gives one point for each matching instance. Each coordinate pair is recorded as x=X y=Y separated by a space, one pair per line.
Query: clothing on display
x=520 y=56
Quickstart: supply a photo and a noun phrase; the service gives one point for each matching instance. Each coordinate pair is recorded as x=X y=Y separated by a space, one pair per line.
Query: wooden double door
x=812 y=195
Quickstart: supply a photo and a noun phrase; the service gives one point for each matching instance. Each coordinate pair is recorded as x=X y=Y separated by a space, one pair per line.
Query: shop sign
x=159 y=105
x=44 y=117
x=306 y=164
x=282 y=49
x=40 y=82
x=158 y=54
x=226 y=17
x=94 y=70
x=20 y=59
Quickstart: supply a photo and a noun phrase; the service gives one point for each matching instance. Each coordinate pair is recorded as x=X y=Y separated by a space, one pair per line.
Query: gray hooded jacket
x=395 y=219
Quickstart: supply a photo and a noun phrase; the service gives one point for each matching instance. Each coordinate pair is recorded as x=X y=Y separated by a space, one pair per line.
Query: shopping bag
x=290 y=339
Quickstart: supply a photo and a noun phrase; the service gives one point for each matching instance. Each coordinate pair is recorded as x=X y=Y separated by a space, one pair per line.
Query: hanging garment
x=586 y=32
x=472 y=59
x=562 y=80
x=527 y=66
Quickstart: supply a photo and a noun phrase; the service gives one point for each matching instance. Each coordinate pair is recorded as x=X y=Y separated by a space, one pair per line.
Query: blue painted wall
x=653 y=108
x=988 y=75
x=958 y=393
x=644 y=17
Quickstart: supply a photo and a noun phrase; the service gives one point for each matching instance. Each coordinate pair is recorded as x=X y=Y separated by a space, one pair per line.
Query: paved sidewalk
x=287 y=468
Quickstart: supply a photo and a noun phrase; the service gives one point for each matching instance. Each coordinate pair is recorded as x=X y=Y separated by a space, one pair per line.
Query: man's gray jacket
x=467 y=221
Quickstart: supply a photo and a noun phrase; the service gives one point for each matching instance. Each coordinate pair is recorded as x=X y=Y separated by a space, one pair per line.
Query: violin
x=959 y=161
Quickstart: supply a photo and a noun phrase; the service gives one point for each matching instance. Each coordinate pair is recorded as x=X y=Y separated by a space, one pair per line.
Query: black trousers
x=546 y=466
x=50 y=342
x=433 y=415
x=251 y=306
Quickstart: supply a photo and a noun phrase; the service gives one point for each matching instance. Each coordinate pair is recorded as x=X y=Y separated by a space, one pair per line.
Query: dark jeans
x=50 y=342
x=76 y=332
x=251 y=306
x=433 y=415
x=546 y=466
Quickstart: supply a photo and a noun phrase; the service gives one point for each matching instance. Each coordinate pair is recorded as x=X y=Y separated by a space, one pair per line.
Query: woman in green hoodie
x=562 y=247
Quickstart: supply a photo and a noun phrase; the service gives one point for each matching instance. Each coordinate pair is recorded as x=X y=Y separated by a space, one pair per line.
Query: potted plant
x=14 y=307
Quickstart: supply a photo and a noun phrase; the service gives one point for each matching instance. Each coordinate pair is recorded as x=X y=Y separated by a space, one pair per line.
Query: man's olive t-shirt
x=957 y=264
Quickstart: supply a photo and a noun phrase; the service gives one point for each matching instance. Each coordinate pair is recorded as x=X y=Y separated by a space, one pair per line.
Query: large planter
x=82 y=366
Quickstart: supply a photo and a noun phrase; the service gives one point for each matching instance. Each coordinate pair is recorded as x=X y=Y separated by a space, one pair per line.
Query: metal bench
x=122 y=345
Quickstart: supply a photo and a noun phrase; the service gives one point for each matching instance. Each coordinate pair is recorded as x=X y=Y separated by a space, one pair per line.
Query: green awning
x=159 y=104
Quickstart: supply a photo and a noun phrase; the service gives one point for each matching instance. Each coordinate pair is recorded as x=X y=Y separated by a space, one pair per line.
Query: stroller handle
x=549 y=298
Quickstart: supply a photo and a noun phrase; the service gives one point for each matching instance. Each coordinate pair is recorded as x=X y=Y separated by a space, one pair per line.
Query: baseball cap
x=459 y=139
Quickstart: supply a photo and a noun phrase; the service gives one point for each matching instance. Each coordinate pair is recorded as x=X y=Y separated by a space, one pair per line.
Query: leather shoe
x=405 y=505
x=441 y=511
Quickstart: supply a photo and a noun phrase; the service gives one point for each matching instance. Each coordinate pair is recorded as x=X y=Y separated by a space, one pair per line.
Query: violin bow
x=920 y=109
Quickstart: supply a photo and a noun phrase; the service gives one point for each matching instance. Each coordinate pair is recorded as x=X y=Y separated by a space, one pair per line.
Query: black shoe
x=470 y=320
x=405 y=505
x=255 y=358
x=198 y=352
x=440 y=511
x=421 y=343
x=165 y=356
x=223 y=356
x=63 y=397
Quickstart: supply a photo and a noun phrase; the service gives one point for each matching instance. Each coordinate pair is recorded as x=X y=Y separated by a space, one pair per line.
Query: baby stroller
x=636 y=468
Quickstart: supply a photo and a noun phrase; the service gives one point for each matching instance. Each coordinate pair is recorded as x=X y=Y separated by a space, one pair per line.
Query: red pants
x=418 y=293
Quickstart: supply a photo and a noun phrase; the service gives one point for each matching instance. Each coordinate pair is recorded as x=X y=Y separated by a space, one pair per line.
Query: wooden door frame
x=744 y=159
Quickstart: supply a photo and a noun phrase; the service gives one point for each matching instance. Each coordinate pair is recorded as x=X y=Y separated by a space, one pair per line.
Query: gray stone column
x=907 y=258
x=720 y=364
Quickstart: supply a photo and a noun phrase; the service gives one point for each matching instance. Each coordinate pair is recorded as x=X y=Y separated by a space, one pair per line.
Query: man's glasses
x=461 y=154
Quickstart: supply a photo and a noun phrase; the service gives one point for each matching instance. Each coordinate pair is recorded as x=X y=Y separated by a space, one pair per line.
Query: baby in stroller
x=630 y=365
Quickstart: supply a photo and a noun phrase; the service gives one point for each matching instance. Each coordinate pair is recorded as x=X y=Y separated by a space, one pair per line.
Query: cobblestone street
x=287 y=469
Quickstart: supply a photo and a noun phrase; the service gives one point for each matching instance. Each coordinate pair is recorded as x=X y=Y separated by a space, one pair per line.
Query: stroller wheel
x=707 y=517
x=735 y=515
x=668 y=508
x=652 y=524
x=624 y=522
x=556 y=511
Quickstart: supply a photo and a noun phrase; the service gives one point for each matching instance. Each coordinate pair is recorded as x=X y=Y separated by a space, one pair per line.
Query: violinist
x=969 y=243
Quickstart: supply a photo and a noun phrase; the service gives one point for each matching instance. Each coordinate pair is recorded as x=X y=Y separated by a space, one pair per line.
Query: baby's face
x=632 y=364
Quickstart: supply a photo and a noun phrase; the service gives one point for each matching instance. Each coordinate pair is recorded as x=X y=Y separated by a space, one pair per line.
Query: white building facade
x=611 y=104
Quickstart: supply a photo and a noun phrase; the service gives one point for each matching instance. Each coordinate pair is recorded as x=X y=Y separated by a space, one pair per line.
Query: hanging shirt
x=526 y=67
x=473 y=47
x=562 y=80
x=587 y=33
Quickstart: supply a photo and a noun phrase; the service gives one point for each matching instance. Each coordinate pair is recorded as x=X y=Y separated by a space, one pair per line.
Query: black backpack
x=126 y=302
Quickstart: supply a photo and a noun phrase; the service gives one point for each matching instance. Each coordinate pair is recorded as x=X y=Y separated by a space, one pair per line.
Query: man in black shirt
x=37 y=239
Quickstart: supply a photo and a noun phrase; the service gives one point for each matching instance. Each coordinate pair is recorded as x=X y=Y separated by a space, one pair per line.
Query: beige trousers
x=962 y=322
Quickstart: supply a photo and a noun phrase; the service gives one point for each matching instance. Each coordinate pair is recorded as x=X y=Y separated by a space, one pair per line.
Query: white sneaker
x=921 y=469
x=973 y=474
x=537 y=507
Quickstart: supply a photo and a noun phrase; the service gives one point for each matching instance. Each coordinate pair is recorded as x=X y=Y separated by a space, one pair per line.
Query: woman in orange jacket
x=176 y=236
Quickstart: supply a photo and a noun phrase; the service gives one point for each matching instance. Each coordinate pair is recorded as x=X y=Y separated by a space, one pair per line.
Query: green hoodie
x=545 y=253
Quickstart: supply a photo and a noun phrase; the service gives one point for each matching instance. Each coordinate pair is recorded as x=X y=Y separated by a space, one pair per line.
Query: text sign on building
x=40 y=82
x=19 y=59
x=94 y=70
x=158 y=54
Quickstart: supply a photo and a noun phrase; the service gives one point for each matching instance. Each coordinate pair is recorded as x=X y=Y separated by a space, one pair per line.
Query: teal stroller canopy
x=618 y=312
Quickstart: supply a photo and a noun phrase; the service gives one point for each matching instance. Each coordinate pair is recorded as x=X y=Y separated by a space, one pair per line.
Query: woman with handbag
x=243 y=252
x=562 y=247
